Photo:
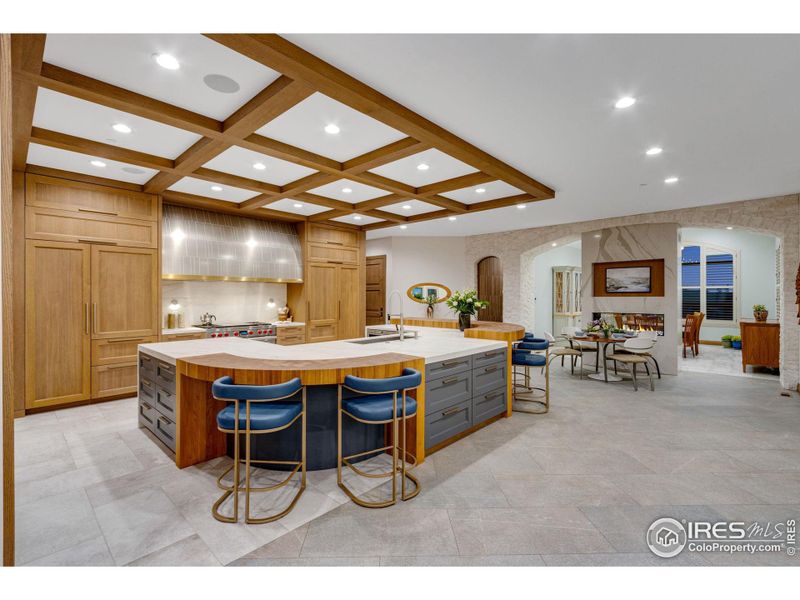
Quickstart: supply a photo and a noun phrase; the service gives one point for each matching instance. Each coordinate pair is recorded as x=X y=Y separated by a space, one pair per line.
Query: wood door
x=490 y=287
x=323 y=302
x=376 y=290
x=57 y=348
x=125 y=299
x=349 y=311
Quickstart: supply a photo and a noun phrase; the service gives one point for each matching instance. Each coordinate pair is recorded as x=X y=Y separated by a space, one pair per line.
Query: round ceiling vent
x=221 y=83
x=133 y=170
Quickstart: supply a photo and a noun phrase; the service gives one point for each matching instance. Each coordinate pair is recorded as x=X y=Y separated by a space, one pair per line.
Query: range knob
x=227 y=334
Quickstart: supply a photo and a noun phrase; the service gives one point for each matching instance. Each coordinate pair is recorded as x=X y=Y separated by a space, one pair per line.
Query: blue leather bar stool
x=527 y=354
x=267 y=409
x=379 y=402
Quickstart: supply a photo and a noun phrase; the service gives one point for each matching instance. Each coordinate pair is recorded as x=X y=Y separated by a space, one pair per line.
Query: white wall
x=756 y=285
x=230 y=301
x=411 y=260
x=564 y=256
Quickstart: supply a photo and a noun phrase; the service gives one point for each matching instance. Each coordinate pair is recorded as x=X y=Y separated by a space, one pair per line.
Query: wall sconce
x=271 y=303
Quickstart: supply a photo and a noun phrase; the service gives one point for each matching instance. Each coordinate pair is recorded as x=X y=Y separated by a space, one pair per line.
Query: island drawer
x=488 y=405
x=147 y=366
x=488 y=378
x=445 y=368
x=489 y=357
x=165 y=430
x=444 y=424
x=165 y=376
x=446 y=391
x=165 y=403
x=147 y=415
x=147 y=391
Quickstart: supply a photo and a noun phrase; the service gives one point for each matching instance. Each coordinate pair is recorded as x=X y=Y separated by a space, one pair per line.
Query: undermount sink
x=395 y=337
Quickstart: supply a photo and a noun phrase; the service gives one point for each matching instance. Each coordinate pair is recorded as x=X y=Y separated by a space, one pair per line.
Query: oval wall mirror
x=420 y=292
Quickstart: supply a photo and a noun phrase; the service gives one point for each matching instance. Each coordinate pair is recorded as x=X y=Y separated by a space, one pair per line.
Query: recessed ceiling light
x=671 y=180
x=216 y=188
x=167 y=61
x=298 y=205
x=346 y=190
x=654 y=150
x=480 y=191
x=97 y=163
x=422 y=167
x=521 y=206
x=625 y=102
x=729 y=228
x=252 y=243
x=332 y=129
x=403 y=226
x=406 y=207
x=259 y=166
x=121 y=128
x=357 y=217
x=554 y=244
x=451 y=218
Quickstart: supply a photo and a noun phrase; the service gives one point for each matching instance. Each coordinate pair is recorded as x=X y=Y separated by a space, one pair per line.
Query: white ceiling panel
x=363 y=220
x=440 y=167
x=73 y=116
x=198 y=187
x=287 y=205
x=127 y=61
x=55 y=158
x=240 y=161
x=491 y=191
x=415 y=207
x=358 y=191
x=304 y=125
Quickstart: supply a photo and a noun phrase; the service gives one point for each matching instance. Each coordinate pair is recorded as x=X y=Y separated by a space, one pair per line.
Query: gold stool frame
x=340 y=460
x=543 y=401
x=235 y=487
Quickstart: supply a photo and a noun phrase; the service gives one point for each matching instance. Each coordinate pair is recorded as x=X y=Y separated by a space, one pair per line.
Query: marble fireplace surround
x=779 y=216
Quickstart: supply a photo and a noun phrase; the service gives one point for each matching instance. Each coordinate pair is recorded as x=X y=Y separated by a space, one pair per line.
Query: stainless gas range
x=256 y=330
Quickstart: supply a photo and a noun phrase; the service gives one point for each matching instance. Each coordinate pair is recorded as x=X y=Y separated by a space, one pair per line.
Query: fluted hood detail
x=199 y=244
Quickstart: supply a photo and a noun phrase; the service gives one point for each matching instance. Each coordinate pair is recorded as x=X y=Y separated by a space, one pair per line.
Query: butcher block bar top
x=487 y=330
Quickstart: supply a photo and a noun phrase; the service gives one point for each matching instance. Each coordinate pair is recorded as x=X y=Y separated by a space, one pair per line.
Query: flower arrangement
x=599 y=325
x=760 y=312
x=465 y=303
x=431 y=302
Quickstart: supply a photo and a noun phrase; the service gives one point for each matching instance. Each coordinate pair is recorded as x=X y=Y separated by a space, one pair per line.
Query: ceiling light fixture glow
x=298 y=205
x=480 y=191
x=554 y=244
x=423 y=167
x=346 y=190
x=167 y=61
x=121 y=128
x=403 y=226
x=521 y=206
x=654 y=150
x=625 y=102
x=97 y=163
x=406 y=207
x=451 y=218
x=332 y=129
x=177 y=235
x=357 y=217
x=259 y=166
x=216 y=188
x=729 y=228
x=671 y=180
x=251 y=243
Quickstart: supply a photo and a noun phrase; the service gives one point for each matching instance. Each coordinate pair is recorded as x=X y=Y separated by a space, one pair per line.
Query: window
x=708 y=282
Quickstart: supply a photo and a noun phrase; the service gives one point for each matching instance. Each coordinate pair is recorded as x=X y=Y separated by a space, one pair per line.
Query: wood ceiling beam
x=456 y=183
x=65 y=141
x=380 y=201
x=384 y=155
x=194 y=201
x=324 y=201
x=244 y=183
x=329 y=214
x=451 y=205
x=27 y=51
x=281 y=55
x=382 y=214
x=276 y=149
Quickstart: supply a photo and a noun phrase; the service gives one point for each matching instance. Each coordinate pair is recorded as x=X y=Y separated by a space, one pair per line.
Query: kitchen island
x=464 y=387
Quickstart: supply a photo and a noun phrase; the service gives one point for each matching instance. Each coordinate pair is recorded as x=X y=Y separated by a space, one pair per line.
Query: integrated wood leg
x=198 y=438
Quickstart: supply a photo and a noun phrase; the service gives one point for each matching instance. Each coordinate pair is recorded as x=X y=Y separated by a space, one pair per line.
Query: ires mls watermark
x=668 y=537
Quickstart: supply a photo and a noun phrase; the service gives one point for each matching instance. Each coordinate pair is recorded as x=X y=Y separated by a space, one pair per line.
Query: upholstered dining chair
x=561 y=348
x=636 y=351
x=569 y=332
x=650 y=335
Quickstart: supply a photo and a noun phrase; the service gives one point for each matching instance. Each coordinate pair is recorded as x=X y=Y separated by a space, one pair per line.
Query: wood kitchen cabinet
x=331 y=299
x=57 y=336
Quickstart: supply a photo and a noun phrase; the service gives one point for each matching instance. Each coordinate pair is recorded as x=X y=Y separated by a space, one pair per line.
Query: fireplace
x=633 y=321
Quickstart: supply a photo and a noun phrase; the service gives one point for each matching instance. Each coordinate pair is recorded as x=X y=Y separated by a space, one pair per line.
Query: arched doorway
x=490 y=287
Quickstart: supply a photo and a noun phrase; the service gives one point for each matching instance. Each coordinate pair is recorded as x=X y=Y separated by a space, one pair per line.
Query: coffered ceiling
x=245 y=123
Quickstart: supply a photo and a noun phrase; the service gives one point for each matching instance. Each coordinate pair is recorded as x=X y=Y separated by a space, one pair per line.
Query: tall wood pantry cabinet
x=331 y=300
x=91 y=289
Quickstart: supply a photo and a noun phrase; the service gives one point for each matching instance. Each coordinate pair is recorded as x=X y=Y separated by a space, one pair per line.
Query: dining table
x=605 y=342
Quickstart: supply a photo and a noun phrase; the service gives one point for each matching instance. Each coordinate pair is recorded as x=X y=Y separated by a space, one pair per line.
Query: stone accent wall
x=779 y=216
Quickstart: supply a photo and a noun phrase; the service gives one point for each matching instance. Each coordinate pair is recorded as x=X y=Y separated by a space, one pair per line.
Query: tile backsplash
x=230 y=301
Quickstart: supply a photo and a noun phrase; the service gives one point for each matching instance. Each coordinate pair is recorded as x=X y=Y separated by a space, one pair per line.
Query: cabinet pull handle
x=494 y=395
x=335 y=262
x=166 y=369
x=450 y=381
x=97 y=242
x=94 y=317
x=146 y=383
x=335 y=243
x=124 y=341
x=147 y=406
x=111 y=367
x=451 y=411
x=339 y=311
x=99 y=212
x=86 y=318
x=490 y=354
x=453 y=363
x=491 y=369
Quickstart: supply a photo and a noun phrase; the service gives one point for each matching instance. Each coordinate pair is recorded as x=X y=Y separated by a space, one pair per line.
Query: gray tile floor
x=722 y=361
x=578 y=486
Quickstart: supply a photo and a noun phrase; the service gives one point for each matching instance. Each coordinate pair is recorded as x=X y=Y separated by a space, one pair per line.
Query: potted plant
x=726 y=341
x=736 y=342
x=465 y=304
x=431 y=302
x=760 y=312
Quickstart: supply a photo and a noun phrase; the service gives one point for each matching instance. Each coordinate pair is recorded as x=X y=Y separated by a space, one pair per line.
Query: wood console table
x=761 y=343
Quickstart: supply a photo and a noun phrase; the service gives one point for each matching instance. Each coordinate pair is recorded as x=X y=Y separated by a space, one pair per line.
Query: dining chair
x=689 y=333
x=650 y=335
x=562 y=351
x=570 y=332
x=699 y=318
x=636 y=350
